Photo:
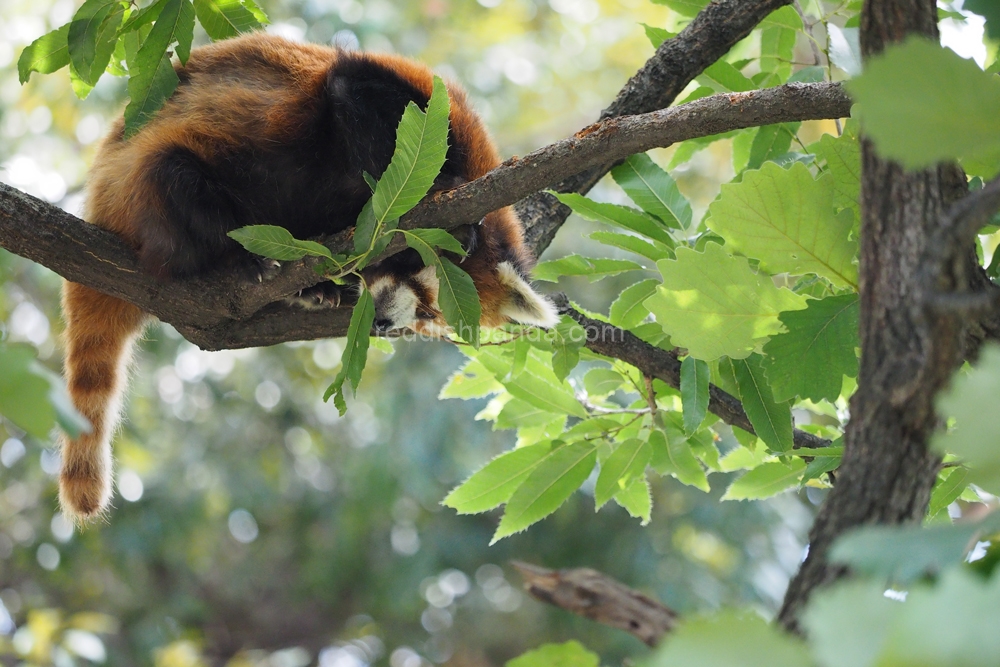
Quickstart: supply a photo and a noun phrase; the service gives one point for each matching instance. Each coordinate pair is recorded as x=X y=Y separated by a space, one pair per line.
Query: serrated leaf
x=471 y=381
x=518 y=414
x=903 y=554
x=730 y=639
x=724 y=78
x=973 y=438
x=495 y=483
x=671 y=455
x=742 y=458
x=651 y=250
x=770 y=142
x=656 y=36
x=811 y=359
x=148 y=89
x=577 y=265
x=922 y=104
x=785 y=218
x=437 y=238
x=421 y=146
x=547 y=487
x=637 y=500
x=620 y=216
x=712 y=303
x=277 y=243
x=771 y=420
x=843 y=163
x=766 y=480
x=223 y=19
x=92 y=36
x=695 y=376
x=626 y=464
x=554 y=398
x=653 y=190
x=459 y=300
x=628 y=310
x=45 y=55
x=567 y=339
x=602 y=381
x=568 y=654
x=355 y=356
x=948 y=489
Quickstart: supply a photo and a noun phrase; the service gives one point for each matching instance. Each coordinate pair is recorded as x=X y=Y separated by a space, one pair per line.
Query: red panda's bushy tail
x=100 y=334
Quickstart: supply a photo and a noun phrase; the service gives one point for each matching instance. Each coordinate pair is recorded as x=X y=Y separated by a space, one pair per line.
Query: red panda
x=265 y=131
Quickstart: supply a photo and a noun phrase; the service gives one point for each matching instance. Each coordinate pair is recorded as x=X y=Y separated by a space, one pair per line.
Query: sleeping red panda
x=265 y=131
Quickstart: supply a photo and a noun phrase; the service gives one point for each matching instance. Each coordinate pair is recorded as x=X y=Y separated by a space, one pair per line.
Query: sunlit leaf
x=766 y=480
x=653 y=190
x=45 y=55
x=626 y=464
x=277 y=243
x=495 y=483
x=569 y=654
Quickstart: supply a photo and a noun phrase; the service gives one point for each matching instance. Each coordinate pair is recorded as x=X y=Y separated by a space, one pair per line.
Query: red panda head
x=408 y=299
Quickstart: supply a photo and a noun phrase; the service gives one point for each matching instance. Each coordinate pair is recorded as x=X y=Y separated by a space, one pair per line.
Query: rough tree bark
x=908 y=348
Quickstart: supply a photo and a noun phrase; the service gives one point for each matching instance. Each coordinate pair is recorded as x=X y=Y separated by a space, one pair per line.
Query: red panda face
x=408 y=302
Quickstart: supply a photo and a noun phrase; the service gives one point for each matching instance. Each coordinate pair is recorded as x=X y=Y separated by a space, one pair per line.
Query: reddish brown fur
x=257 y=90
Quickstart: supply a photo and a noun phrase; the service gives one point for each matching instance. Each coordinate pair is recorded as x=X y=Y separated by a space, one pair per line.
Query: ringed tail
x=100 y=334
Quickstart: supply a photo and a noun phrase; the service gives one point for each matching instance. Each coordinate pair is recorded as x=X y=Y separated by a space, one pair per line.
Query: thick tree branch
x=224 y=310
x=716 y=29
x=600 y=598
x=610 y=341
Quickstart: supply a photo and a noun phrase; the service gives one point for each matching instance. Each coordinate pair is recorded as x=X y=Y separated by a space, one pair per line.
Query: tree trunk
x=908 y=351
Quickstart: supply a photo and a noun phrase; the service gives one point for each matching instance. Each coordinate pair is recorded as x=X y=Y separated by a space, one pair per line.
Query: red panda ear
x=523 y=304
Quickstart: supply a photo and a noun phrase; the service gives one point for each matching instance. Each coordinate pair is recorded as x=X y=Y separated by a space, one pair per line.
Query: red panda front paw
x=263 y=269
x=318 y=297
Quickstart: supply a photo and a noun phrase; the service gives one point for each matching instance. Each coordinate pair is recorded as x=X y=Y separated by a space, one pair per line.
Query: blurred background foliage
x=253 y=526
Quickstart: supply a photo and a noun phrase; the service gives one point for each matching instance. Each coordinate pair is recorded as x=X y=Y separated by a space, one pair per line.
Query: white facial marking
x=524 y=305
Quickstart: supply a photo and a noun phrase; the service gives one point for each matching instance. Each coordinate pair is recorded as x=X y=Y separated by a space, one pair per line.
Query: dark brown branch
x=610 y=341
x=600 y=598
x=716 y=29
x=222 y=310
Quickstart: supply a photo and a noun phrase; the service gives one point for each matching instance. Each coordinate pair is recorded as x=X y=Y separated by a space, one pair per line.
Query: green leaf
x=652 y=188
x=45 y=55
x=977 y=422
x=494 y=483
x=770 y=142
x=223 y=19
x=576 y=265
x=923 y=104
x=620 y=216
x=683 y=7
x=785 y=218
x=771 y=420
x=355 y=351
x=652 y=250
x=34 y=398
x=569 y=654
x=903 y=554
x=364 y=230
x=637 y=500
x=547 y=487
x=602 y=381
x=712 y=303
x=518 y=414
x=812 y=358
x=843 y=164
x=567 y=338
x=151 y=75
x=421 y=146
x=626 y=464
x=91 y=39
x=277 y=243
x=671 y=455
x=742 y=458
x=948 y=489
x=730 y=639
x=437 y=238
x=856 y=609
x=988 y=9
x=555 y=398
x=656 y=36
x=695 y=376
x=724 y=78
x=459 y=301
x=766 y=480
x=628 y=309
x=471 y=381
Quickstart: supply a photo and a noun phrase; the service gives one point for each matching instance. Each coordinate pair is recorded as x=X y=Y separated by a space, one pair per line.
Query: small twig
x=600 y=598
